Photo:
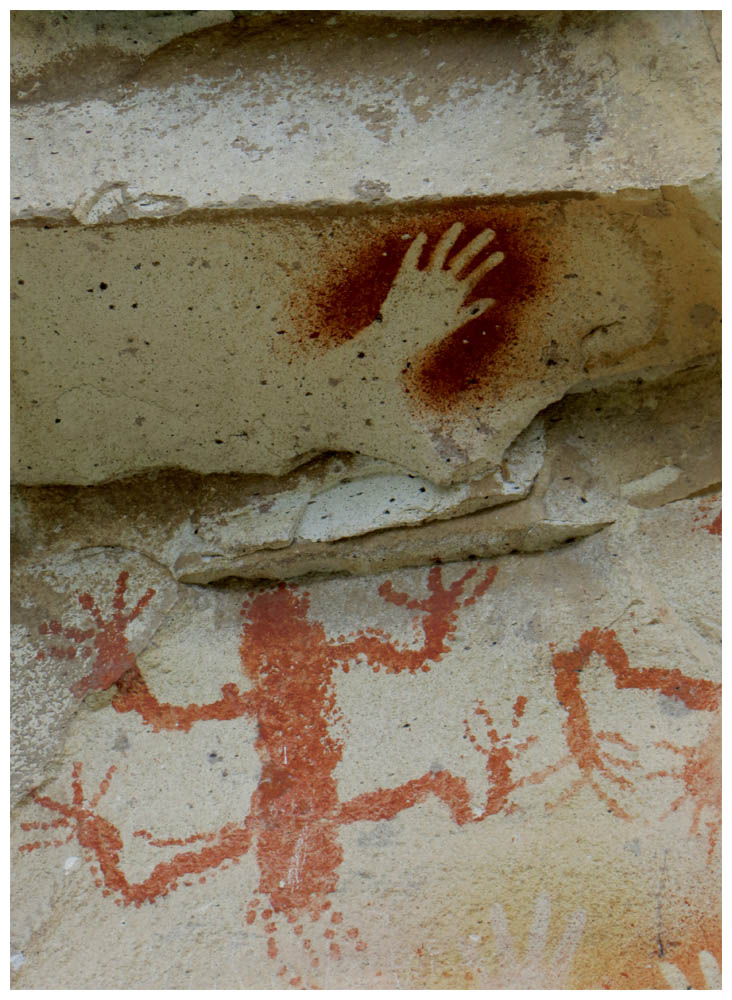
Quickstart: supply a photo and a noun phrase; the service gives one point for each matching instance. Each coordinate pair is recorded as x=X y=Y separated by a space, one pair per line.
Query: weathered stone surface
x=328 y=107
x=176 y=517
x=49 y=662
x=383 y=746
x=211 y=346
x=340 y=514
x=430 y=303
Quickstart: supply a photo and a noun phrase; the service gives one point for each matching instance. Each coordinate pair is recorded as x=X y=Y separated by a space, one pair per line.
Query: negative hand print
x=710 y=971
x=438 y=295
x=535 y=969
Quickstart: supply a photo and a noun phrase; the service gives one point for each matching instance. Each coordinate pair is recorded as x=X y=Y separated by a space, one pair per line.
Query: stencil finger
x=471 y=251
x=472 y=279
x=410 y=261
x=446 y=243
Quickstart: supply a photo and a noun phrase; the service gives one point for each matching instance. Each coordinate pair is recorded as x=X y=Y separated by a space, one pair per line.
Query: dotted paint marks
x=701 y=776
x=112 y=656
x=585 y=746
x=295 y=813
x=706 y=506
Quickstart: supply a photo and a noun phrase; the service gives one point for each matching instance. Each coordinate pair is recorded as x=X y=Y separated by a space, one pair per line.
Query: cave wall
x=366 y=505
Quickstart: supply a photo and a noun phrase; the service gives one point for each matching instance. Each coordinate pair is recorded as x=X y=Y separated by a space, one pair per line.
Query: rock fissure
x=366 y=505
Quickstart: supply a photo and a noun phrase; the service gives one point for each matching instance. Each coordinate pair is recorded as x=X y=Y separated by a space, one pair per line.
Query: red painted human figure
x=295 y=813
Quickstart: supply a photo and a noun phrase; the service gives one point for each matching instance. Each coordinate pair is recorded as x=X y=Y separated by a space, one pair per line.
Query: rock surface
x=355 y=516
x=331 y=108
x=442 y=730
x=252 y=344
x=366 y=518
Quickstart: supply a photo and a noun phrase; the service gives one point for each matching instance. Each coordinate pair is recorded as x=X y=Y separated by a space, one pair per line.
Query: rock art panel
x=428 y=338
x=599 y=754
x=58 y=629
x=269 y=795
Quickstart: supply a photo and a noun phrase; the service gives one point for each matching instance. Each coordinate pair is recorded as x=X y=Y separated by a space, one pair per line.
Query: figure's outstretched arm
x=133 y=695
x=114 y=664
x=436 y=618
x=598 y=766
x=696 y=693
x=385 y=803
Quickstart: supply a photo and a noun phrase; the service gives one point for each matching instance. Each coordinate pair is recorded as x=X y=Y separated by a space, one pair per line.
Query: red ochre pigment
x=705 y=507
x=351 y=290
x=585 y=746
x=295 y=814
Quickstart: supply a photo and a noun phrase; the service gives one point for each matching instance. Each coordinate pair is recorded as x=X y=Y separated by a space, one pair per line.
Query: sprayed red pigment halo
x=474 y=361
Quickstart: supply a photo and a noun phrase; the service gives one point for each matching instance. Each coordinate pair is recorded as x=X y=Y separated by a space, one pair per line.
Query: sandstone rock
x=354 y=516
x=175 y=518
x=162 y=323
x=135 y=352
x=366 y=582
x=326 y=107
x=564 y=719
x=58 y=633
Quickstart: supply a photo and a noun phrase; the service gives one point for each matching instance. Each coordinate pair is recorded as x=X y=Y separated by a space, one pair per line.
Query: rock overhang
x=301 y=109
x=482 y=252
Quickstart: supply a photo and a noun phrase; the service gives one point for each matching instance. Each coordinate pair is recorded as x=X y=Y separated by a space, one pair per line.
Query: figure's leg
x=103 y=843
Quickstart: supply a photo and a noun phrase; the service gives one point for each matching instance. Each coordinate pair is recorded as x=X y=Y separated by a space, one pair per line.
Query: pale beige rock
x=580 y=847
x=411 y=322
x=586 y=483
x=47 y=663
x=314 y=520
x=176 y=517
x=327 y=107
x=135 y=351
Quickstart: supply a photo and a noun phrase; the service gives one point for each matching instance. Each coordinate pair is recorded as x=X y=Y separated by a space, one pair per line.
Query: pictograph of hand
x=440 y=278
x=424 y=305
x=710 y=970
x=536 y=969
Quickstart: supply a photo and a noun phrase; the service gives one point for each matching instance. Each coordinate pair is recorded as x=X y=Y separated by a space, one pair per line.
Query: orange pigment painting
x=702 y=521
x=295 y=813
x=700 y=772
x=292 y=827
